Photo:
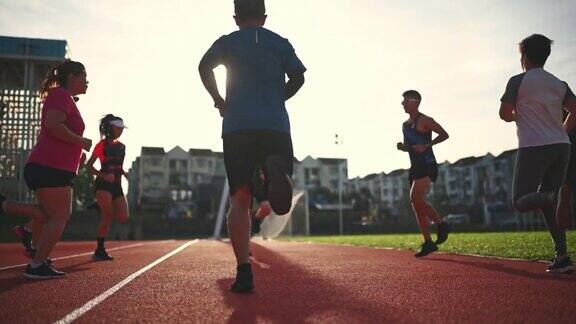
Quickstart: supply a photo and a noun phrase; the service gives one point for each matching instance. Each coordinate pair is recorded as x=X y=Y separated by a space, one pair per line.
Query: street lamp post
x=338 y=141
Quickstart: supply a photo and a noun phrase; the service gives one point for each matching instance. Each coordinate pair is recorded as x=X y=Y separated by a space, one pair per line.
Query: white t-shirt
x=538 y=97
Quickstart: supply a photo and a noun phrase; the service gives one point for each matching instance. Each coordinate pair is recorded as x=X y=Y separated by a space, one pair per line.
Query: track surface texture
x=295 y=283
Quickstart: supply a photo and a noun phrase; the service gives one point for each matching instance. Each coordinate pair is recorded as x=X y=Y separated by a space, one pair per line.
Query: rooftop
x=32 y=48
x=153 y=150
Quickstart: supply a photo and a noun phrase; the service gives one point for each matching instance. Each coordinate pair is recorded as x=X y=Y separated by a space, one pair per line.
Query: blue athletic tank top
x=412 y=137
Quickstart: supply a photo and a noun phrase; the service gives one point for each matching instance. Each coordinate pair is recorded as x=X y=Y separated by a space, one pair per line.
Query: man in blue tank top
x=418 y=143
x=255 y=126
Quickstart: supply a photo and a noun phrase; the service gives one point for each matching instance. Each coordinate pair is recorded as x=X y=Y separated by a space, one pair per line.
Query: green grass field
x=518 y=245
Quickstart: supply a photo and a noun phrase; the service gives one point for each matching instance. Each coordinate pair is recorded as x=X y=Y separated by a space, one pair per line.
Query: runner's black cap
x=249 y=8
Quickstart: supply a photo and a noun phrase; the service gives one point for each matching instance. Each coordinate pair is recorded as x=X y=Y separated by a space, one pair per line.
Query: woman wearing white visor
x=108 y=185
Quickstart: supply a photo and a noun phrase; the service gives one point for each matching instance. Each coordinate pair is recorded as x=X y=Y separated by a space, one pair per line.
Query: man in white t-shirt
x=534 y=100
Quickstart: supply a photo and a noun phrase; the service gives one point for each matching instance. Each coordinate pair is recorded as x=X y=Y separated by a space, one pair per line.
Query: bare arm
x=91 y=169
x=570 y=106
x=507 y=112
x=436 y=128
x=55 y=124
x=295 y=82
x=206 y=69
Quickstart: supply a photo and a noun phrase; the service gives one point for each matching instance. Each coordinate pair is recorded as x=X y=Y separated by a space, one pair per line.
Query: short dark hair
x=536 y=48
x=412 y=94
x=249 y=8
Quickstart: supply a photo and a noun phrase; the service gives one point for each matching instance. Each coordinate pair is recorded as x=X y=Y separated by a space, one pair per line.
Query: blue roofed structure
x=32 y=48
x=24 y=64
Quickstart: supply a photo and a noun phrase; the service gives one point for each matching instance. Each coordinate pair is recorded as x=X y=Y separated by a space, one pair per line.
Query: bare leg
x=417 y=193
x=239 y=223
x=121 y=209
x=432 y=214
x=104 y=199
x=36 y=228
x=263 y=210
x=32 y=211
x=57 y=204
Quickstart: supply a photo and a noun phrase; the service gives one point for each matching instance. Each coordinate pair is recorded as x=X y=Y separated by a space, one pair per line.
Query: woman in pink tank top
x=52 y=167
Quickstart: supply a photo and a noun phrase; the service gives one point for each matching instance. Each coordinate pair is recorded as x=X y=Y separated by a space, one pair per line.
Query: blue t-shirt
x=257 y=61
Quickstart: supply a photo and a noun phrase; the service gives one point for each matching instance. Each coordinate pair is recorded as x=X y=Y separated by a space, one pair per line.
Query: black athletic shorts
x=244 y=150
x=114 y=188
x=38 y=176
x=425 y=170
x=571 y=172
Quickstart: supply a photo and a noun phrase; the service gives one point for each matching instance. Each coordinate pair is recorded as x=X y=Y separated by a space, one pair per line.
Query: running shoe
x=101 y=255
x=564 y=208
x=244 y=279
x=562 y=265
x=426 y=248
x=93 y=206
x=25 y=236
x=280 y=185
x=443 y=229
x=44 y=271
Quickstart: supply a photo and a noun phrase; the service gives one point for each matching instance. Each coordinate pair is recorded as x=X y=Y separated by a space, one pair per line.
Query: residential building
x=311 y=173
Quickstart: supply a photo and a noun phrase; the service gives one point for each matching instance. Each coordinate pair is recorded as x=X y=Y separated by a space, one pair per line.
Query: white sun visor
x=118 y=123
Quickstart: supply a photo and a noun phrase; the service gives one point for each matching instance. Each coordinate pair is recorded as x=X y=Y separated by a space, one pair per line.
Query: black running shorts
x=114 y=188
x=243 y=150
x=38 y=176
x=424 y=170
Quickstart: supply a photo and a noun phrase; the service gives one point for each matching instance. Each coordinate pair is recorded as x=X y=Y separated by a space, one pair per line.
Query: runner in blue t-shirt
x=255 y=127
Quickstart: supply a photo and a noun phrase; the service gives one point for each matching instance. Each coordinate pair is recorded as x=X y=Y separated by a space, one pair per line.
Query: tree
x=83 y=189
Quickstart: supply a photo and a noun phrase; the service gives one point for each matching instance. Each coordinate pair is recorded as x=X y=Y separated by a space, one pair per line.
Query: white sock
x=35 y=265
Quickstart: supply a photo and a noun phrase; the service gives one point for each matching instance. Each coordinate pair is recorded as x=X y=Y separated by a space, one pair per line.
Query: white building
x=311 y=173
x=466 y=182
x=157 y=176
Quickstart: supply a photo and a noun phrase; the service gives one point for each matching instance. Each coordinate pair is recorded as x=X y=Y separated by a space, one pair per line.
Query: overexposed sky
x=142 y=57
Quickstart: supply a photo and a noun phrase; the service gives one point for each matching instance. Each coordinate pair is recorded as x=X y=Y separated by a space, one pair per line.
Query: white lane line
x=89 y=253
x=91 y=304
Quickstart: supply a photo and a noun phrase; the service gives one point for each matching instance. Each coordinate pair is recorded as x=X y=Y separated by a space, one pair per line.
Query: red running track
x=295 y=282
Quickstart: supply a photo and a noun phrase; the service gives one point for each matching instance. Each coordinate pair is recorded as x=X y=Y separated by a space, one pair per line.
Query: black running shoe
x=244 y=280
x=426 y=248
x=443 y=229
x=101 y=255
x=24 y=235
x=256 y=222
x=93 y=206
x=563 y=265
x=280 y=185
x=2 y=198
x=44 y=271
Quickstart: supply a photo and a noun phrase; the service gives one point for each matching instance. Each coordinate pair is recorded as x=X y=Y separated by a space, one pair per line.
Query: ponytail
x=58 y=76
